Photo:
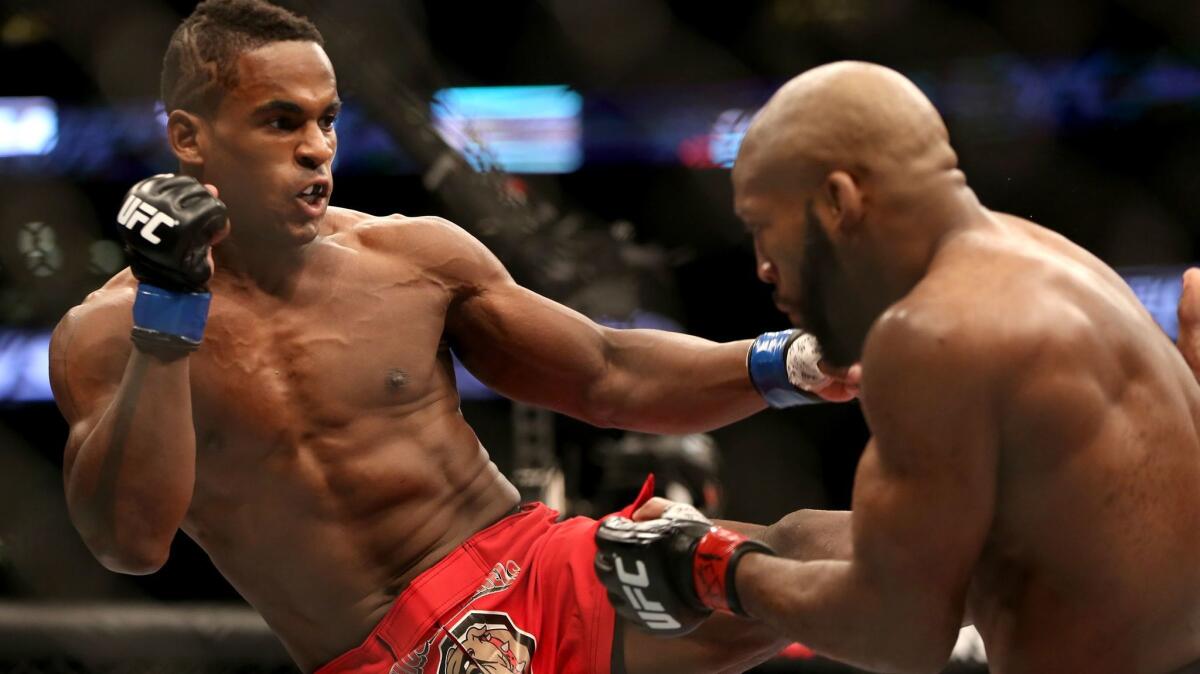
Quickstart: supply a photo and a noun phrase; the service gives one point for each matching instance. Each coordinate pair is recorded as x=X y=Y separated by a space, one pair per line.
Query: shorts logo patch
x=486 y=642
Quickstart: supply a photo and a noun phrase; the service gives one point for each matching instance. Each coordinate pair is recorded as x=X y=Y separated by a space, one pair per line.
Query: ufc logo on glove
x=135 y=211
x=650 y=611
x=686 y=564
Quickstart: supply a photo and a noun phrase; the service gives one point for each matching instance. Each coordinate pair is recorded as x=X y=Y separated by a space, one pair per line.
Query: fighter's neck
x=930 y=224
x=272 y=267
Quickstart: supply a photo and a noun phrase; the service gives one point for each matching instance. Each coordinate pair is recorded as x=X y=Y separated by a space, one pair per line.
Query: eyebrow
x=293 y=108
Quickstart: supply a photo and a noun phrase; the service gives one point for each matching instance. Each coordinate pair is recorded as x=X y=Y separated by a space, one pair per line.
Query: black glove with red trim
x=667 y=575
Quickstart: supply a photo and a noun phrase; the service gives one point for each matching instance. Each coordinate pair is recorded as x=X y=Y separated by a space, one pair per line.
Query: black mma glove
x=667 y=575
x=168 y=223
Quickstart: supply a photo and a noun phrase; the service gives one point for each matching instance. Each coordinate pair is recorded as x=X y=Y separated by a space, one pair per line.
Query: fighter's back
x=1092 y=563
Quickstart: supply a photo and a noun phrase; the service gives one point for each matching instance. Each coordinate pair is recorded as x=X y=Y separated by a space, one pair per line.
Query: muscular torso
x=1092 y=563
x=332 y=461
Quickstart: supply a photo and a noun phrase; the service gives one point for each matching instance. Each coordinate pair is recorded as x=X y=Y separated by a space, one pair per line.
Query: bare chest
x=275 y=372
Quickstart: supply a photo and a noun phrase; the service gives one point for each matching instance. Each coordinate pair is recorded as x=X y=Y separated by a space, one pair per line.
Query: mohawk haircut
x=201 y=59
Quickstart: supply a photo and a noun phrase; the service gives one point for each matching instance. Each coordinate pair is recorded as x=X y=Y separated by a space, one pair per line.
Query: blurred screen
x=519 y=129
x=1159 y=290
x=28 y=126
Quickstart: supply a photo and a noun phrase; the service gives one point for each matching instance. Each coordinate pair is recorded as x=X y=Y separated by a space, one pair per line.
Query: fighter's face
x=272 y=139
x=795 y=255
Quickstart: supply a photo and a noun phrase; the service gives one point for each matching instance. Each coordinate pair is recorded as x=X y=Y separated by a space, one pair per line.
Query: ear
x=843 y=200
x=185 y=133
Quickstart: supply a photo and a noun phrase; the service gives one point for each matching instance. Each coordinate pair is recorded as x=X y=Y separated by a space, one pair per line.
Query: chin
x=306 y=230
x=311 y=230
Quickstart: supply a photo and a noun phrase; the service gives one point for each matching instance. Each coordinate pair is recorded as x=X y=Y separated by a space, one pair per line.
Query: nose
x=316 y=148
x=766 y=269
x=767 y=274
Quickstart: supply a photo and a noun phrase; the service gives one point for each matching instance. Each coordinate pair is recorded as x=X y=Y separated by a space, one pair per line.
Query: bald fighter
x=273 y=377
x=1034 y=463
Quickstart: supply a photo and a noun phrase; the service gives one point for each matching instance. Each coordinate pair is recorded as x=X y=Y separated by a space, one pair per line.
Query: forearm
x=130 y=483
x=830 y=607
x=811 y=535
x=662 y=382
x=805 y=535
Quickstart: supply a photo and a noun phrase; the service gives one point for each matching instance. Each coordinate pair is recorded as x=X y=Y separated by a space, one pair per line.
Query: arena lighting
x=1158 y=288
x=530 y=129
x=28 y=126
x=24 y=366
x=699 y=126
x=726 y=135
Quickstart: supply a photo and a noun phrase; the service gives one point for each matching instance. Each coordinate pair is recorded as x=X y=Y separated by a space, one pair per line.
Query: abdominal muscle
x=322 y=537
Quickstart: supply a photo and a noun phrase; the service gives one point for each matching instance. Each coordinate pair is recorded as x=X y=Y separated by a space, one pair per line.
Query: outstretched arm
x=538 y=351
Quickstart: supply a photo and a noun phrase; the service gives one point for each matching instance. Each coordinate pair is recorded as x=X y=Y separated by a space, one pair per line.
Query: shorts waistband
x=437 y=591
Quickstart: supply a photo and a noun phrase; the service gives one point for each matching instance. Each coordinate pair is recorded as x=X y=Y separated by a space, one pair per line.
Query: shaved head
x=846 y=180
x=857 y=117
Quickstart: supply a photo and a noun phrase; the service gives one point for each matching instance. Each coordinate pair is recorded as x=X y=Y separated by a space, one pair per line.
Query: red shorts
x=519 y=596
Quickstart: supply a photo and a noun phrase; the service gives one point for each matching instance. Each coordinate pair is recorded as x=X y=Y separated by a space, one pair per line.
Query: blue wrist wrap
x=767 y=363
x=176 y=314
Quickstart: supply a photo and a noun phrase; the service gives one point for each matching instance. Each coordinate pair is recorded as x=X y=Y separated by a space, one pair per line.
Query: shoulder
x=923 y=339
x=924 y=331
x=980 y=331
x=932 y=372
x=384 y=231
x=439 y=246
x=953 y=338
x=90 y=345
x=104 y=308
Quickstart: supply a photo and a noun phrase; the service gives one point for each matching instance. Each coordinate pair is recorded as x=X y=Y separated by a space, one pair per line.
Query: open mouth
x=314 y=194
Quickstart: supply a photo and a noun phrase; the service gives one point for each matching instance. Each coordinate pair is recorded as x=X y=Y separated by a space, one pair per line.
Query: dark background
x=1083 y=116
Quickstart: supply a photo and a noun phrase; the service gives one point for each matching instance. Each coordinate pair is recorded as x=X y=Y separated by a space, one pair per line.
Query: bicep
x=87 y=361
x=517 y=342
x=528 y=347
x=925 y=489
x=921 y=529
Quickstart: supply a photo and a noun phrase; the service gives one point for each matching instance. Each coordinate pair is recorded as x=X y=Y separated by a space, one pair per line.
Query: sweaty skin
x=1034 y=462
x=313 y=445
